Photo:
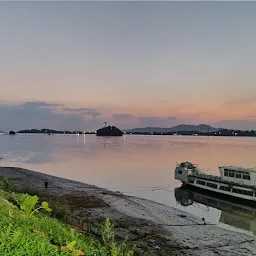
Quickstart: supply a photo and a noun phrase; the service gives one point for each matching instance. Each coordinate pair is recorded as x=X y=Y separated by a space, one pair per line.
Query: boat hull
x=218 y=194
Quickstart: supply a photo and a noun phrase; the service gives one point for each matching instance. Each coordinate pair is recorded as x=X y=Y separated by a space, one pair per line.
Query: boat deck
x=219 y=179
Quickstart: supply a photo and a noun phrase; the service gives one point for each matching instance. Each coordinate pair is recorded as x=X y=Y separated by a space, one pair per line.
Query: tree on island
x=109 y=131
x=12 y=133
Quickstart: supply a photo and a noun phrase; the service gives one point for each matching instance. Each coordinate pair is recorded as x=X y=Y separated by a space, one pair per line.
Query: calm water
x=138 y=165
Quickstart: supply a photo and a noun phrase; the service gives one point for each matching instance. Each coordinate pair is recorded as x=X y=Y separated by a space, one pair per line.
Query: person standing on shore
x=46 y=184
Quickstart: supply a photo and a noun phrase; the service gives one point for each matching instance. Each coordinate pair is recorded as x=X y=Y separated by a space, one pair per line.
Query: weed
x=71 y=248
x=60 y=207
x=22 y=232
x=27 y=190
x=108 y=237
x=6 y=184
x=28 y=203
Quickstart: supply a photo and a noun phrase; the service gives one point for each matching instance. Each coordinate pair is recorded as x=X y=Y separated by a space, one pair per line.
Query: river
x=139 y=165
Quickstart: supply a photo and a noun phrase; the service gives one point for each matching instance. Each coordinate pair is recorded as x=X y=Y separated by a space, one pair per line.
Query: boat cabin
x=183 y=170
x=245 y=176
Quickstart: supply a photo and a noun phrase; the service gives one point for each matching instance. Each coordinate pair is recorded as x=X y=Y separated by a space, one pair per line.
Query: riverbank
x=153 y=227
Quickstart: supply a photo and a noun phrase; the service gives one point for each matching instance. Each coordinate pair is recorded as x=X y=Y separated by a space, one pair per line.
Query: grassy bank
x=27 y=228
x=154 y=228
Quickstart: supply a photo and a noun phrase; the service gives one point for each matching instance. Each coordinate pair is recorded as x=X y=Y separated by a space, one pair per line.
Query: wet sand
x=152 y=226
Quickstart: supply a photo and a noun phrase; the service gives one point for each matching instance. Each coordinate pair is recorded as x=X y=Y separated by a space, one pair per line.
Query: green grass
x=27 y=229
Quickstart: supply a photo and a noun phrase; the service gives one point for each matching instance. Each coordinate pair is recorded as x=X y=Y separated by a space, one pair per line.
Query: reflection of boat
x=233 y=214
x=236 y=182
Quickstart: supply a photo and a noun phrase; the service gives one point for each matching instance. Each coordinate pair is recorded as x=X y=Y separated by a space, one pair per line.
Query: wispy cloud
x=83 y=111
x=38 y=114
x=123 y=118
x=38 y=104
x=242 y=101
x=157 y=121
x=236 y=124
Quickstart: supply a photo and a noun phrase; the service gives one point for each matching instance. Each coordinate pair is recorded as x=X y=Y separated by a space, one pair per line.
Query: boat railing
x=207 y=176
x=216 y=178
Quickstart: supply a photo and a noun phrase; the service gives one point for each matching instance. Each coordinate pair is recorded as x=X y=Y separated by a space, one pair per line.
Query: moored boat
x=233 y=181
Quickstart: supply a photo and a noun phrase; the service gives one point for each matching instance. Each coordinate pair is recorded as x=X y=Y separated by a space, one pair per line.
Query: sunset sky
x=73 y=65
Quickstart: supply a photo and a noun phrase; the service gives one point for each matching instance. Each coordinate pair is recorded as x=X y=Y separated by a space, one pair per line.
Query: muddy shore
x=155 y=228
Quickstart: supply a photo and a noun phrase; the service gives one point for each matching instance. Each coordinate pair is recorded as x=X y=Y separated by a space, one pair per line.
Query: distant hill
x=178 y=128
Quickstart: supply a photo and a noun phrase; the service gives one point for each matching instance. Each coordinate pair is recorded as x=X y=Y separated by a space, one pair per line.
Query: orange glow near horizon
x=202 y=111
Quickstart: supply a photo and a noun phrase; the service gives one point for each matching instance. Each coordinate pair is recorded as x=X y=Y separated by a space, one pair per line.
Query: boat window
x=180 y=172
x=225 y=188
x=237 y=174
x=246 y=177
x=200 y=182
x=212 y=185
x=238 y=191
x=248 y=193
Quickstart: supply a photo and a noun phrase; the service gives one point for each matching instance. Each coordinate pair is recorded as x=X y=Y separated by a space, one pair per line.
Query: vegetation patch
x=26 y=228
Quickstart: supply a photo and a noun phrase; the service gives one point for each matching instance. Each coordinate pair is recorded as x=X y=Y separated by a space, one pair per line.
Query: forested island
x=51 y=131
x=109 y=131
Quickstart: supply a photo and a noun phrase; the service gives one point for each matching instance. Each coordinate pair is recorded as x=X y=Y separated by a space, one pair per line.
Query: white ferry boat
x=233 y=181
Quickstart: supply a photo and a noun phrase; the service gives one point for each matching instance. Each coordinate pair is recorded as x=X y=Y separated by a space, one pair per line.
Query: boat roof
x=187 y=163
x=238 y=168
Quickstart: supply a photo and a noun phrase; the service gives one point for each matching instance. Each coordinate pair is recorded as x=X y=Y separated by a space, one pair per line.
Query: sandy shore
x=151 y=226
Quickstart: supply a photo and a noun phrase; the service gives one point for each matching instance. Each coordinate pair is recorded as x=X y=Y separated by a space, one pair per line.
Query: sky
x=74 y=65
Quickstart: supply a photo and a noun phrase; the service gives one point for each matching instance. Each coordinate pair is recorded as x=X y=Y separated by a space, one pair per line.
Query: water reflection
x=234 y=214
x=128 y=162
